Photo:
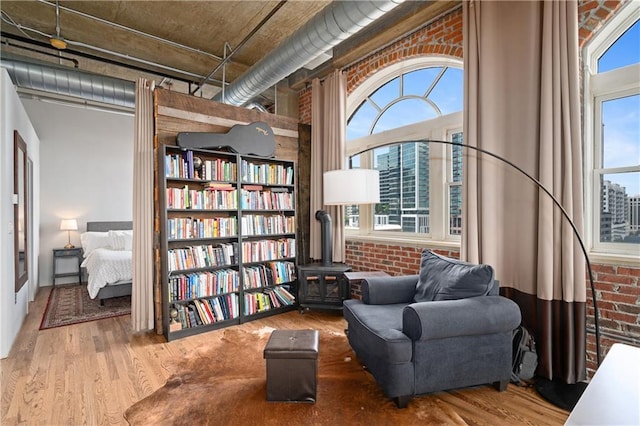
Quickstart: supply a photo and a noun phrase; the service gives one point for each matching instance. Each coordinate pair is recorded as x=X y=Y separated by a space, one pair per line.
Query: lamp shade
x=69 y=225
x=352 y=186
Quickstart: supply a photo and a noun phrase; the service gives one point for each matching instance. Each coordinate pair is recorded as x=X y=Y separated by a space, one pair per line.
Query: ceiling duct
x=335 y=23
x=64 y=81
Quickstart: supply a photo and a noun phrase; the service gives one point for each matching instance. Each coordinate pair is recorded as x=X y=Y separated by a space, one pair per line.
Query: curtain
x=142 y=316
x=522 y=102
x=328 y=139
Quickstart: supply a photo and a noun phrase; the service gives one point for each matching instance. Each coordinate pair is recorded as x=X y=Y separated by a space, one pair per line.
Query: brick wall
x=618 y=292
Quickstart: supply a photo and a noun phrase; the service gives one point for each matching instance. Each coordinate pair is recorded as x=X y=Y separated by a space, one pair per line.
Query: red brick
x=623 y=270
x=612 y=278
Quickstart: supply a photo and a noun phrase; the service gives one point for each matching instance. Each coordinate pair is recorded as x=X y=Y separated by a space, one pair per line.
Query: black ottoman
x=292 y=365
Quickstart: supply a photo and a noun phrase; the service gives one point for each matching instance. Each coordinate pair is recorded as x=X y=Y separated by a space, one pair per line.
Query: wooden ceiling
x=182 y=42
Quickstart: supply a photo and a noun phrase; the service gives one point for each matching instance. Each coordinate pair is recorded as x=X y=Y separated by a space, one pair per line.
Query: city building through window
x=612 y=135
x=388 y=113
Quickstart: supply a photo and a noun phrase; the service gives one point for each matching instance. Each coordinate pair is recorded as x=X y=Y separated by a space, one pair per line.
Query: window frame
x=438 y=128
x=598 y=88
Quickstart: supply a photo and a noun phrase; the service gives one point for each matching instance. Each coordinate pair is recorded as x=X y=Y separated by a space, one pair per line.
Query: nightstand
x=61 y=253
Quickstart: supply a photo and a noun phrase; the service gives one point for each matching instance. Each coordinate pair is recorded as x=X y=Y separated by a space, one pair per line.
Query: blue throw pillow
x=443 y=278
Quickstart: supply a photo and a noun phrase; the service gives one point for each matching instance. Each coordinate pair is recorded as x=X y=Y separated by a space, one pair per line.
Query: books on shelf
x=182 y=166
x=266 y=200
x=205 y=311
x=266 y=173
x=203 y=284
x=202 y=199
x=202 y=256
x=267 y=224
x=186 y=227
x=267 y=299
x=258 y=251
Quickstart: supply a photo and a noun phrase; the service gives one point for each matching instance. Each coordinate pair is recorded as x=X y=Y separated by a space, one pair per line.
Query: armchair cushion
x=389 y=290
x=443 y=278
x=463 y=317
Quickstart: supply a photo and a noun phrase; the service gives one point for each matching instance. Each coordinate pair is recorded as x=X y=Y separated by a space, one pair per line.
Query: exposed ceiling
x=180 y=43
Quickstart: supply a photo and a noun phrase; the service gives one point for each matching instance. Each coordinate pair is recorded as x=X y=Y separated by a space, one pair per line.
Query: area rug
x=71 y=304
x=224 y=383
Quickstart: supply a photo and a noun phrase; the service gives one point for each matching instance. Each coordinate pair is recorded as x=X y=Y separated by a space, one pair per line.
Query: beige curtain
x=142 y=317
x=328 y=138
x=522 y=102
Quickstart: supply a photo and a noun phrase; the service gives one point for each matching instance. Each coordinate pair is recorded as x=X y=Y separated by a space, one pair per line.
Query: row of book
x=258 y=251
x=269 y=274
x=186 y=227
x=275 y=199
x=203 y=284
x=269 y=174
x=268 y=298
x=185 y=166
x=204 y=256
x=267 y=225
x=203 y=199
x=207 y=311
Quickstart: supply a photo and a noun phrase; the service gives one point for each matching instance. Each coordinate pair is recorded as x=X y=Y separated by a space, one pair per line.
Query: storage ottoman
x=292 y=365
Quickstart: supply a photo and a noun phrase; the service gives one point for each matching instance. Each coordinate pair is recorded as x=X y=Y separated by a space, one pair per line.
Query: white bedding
x=106 y=266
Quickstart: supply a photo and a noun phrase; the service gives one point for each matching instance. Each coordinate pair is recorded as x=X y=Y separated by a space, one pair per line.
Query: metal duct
x=70 y=82
x=333 y=24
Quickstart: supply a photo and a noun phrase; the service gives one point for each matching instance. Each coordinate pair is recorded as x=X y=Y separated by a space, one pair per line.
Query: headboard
x=109 y=226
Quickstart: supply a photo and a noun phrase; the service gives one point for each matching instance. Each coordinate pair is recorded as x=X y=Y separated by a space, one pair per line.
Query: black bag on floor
x=525 y=357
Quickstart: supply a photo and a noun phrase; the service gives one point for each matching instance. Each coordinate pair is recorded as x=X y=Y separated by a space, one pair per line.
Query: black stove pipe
x=325 y=237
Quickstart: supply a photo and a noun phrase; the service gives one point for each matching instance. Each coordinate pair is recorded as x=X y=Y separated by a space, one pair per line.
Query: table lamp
x=69 y=225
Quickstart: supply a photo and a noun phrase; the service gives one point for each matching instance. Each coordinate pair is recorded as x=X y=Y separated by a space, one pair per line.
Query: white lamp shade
x=69 y=225
x=352 y=186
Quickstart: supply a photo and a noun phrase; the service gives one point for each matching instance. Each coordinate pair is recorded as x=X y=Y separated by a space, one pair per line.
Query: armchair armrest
x=389 y=290
x=462 y=317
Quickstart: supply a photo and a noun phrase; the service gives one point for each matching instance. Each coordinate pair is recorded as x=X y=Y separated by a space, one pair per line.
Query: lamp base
x=69 y=246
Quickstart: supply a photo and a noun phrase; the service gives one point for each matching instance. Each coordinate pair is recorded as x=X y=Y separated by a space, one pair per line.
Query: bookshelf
x=228 y=239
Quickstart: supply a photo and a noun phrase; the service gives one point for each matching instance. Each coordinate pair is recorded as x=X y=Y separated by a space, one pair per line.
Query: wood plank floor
x=90 y=373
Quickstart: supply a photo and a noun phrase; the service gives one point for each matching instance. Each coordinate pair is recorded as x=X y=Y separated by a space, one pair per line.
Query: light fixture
x=344 y=188
x=69 y=225
x=58 y=43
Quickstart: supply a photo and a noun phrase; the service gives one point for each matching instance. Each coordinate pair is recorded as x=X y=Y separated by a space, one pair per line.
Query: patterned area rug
x=72 y=305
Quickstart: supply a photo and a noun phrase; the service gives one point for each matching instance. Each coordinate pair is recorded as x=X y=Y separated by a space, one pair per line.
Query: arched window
x=612 y=135
x=420 y=183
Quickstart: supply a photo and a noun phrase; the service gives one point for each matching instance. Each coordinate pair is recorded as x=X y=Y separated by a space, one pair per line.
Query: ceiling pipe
x=131 y=30
x=70 y=82
x=335 y=23
x=239 y=46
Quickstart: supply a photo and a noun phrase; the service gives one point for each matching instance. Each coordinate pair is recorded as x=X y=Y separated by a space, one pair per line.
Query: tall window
x=420 y=182
x=612 y=130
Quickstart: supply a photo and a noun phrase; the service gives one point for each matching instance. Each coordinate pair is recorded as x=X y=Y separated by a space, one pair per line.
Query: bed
x=109 y=271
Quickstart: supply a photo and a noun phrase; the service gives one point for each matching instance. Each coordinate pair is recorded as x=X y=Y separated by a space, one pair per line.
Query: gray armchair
x=443 y=329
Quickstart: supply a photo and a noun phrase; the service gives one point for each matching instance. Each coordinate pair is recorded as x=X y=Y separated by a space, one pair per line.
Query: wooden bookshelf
x=228 y=239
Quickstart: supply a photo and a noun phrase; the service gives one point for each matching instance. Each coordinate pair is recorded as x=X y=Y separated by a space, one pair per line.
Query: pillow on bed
x=94 y=240
x=121 y=240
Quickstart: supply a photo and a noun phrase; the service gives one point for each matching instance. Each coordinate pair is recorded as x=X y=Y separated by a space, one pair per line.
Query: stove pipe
x=325 y=237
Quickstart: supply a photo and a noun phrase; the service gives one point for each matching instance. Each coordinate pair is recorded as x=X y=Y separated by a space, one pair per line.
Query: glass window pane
x=387 y=93
x=404 y=187
x=621 y=132
x=456 y=158
x=625 y=51
x=620 y=207
x=417 y=82
x=447 y=94
x=361 y=120
x=407 y=111
x=455 y=210
x=352 y=213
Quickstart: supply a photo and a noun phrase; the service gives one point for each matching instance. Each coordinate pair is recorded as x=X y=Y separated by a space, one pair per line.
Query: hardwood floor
x=90 y=373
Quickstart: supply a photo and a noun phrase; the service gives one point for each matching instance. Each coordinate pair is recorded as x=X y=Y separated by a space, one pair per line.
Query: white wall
x=14 y=307
x=86 y=173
